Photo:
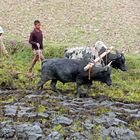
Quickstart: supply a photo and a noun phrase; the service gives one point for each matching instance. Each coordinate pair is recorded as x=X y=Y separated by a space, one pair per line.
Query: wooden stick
x=97 y=59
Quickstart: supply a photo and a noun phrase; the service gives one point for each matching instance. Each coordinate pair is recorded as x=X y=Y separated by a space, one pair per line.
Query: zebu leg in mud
x=40 y=84
x=53 y=86
x=87 y=89
x=78 y=90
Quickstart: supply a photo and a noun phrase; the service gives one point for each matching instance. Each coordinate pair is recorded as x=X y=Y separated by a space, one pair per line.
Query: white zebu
x=87 y=53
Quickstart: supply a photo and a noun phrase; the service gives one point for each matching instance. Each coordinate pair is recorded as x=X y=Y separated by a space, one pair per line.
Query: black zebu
x=70 y=70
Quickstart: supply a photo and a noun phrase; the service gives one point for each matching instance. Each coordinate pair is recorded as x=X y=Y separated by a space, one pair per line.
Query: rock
x=26 y=112
x=106 y=103
x=90 y=105
x=32 y=96
x=51 y=113
x=54 y=136
x=111 y=114
x=10 y=110
x=33 y=136
x=131 y=110
x=28 y=127
x=19 y=104
x=27 y=115
x=116 y=133
x=128 y=106
x=62 y=120
x=108 y=120
x=78 y=136
x=30 y=131
x=134 y=116
x=6 y=130
x=5 y=123
x=132 y=106
x=88 y=124
x=43 y=115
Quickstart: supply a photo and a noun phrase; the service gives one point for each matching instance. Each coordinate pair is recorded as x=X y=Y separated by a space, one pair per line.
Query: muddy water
x=25 y=115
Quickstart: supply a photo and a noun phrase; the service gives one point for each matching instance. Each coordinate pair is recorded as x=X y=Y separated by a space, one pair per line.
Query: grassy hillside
x=68 y=23
x=125 y=84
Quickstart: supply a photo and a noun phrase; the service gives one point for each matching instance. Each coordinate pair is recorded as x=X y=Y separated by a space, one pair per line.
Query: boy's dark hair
x=36 y=22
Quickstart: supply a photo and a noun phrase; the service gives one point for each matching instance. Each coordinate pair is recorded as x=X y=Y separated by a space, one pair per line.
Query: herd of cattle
x=71 y=68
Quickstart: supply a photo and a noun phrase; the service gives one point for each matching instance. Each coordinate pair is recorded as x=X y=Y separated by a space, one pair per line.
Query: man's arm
x=1 y=42
x=31 y=40
x=3 y=47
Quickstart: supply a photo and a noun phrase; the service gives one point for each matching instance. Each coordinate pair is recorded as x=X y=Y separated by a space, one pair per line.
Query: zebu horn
x=109 y=64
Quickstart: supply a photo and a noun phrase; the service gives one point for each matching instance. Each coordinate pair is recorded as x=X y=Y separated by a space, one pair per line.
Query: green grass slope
x=125 y=84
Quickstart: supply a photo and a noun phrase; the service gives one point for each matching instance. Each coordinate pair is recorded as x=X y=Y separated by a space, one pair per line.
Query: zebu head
x=102 y=74
x=119 y=61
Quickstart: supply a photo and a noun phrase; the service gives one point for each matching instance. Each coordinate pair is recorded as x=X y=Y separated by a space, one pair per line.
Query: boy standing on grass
x=36 y=40
x=2 y=46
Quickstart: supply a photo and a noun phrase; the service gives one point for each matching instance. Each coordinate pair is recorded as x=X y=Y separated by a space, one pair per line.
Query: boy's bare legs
x=41 y=56
x=35 y=59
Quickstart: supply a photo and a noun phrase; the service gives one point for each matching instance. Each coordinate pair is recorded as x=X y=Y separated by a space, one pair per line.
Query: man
x=36 y=40
x=2 y=46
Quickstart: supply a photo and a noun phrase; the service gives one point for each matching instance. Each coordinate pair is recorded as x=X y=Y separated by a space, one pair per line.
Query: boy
x=36 y=40
x=2 y=46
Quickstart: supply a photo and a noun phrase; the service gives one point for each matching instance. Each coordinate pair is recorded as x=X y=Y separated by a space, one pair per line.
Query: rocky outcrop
x=51 y=117
x=21 y=131
x=117 y=133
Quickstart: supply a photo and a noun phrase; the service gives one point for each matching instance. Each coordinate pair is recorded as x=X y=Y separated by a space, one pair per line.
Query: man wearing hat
x=2 y=46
